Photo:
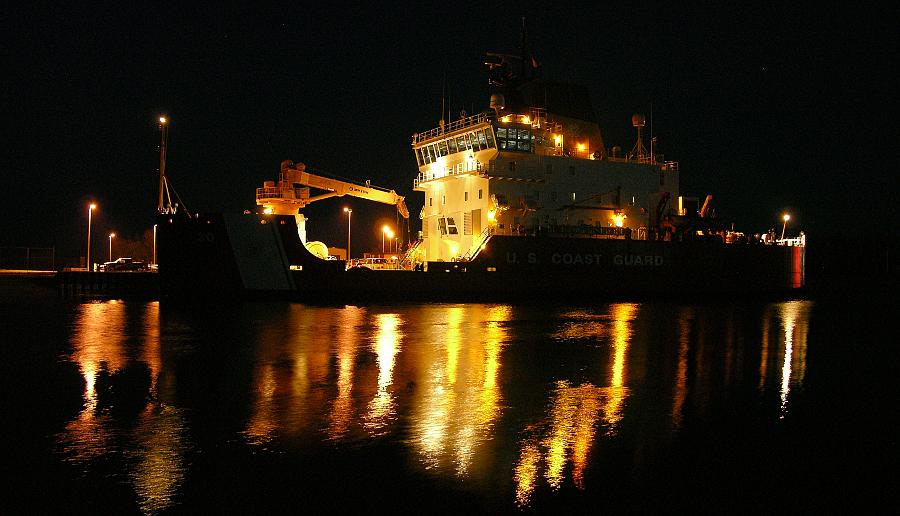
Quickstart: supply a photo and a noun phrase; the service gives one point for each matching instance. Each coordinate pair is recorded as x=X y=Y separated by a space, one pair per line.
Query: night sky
x=768 y=108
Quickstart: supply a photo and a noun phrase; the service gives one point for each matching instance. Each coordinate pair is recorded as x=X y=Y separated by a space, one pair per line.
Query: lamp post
x=349 y=213
x=384 y=231
x=786 y=218
x=91 y=209
x=163 y=139
x=154 y=244
x=111 y=235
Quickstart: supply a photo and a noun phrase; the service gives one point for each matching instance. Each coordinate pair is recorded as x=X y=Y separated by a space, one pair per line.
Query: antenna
x=443 y=99
x=639 y=152
x=652 y=135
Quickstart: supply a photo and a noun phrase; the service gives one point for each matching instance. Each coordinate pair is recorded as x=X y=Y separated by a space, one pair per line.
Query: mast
x=164 y=136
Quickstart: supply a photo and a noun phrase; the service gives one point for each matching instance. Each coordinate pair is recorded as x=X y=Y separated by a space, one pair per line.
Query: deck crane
x=292 y=193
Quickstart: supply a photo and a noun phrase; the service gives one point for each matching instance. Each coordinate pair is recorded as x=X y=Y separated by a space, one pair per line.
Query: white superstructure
x=535 y=164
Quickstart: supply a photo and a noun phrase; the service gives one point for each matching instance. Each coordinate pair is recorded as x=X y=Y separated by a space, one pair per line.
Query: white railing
x=478 y=244
x=467 y=168
x=450 y=127
x=799 y=241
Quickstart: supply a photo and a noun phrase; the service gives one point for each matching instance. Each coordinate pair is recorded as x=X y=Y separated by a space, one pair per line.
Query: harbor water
x=120 y=407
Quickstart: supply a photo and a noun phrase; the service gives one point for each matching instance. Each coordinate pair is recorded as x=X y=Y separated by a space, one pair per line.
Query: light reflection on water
x=107 y=339
x=521 y=399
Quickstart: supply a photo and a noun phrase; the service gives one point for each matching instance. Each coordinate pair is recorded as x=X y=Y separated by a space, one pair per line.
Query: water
x=131 y=407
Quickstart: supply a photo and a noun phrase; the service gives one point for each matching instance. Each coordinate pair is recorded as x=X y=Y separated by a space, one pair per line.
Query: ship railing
x=478 y=245
x=799 y=241
x=454 y=125
x=408 y=257
x=649 y=160
x=462 y=168
x=274 y=192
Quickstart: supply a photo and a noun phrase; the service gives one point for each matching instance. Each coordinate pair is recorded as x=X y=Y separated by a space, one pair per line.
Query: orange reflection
x=622 y=317
x=526 y=471
x=459 y=394
x=387 y=345
x=284 y=399
x=105 y=336
x=795 y=322
x=573 y=417
x=575 y=410
x=685 y=321
x=791 y=318
x=341 y=413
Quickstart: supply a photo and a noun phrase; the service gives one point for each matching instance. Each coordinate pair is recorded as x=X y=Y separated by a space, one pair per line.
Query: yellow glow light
x=112 y=235
x=93 y=206
x=505 y=119
x=454 y=250
x=787 y=217
x=526 y=120
x=267 y=210
x=557 y=138
x=162 y=120
x=619 y=219
x=492 y=215
x=581 y=147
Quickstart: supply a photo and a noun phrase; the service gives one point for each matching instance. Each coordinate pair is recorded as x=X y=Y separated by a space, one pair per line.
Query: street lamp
x=154 y=243
x=91 y=209
x=111 y=235
x=163 y=139
x=349 y=213
x=786 y=218
x=384 y=231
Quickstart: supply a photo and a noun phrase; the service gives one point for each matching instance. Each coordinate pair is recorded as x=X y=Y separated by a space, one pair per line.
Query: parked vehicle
x=123 y=264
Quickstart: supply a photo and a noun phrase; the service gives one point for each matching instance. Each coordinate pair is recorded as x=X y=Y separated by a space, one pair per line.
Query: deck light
x=111 y=236
x=786 y=217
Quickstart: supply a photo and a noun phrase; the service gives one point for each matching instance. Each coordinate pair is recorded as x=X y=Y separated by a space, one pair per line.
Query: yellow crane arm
x=292 y=192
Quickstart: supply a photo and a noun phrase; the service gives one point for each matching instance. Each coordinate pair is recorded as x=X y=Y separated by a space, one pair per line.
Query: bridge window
x=452 y=143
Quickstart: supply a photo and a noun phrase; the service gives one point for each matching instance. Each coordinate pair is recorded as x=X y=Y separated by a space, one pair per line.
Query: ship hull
x=261 y=255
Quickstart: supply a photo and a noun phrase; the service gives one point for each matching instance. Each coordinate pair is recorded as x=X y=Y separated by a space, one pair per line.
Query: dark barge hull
x=215 y=256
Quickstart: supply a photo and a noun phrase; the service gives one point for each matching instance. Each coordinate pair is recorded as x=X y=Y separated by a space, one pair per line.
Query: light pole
x=111 y=235
x=384 y=231
x=163 y=139
x=349 y=213
x=91 y=209
x=154 y=244
x=786 y=218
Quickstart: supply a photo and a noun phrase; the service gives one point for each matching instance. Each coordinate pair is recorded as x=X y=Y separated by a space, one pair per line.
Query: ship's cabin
x=530 y=171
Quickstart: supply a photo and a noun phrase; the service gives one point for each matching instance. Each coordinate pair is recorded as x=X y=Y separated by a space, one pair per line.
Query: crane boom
x=292 y=193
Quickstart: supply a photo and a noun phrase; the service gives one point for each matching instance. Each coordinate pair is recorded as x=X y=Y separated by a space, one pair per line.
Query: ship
x=520 y=201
